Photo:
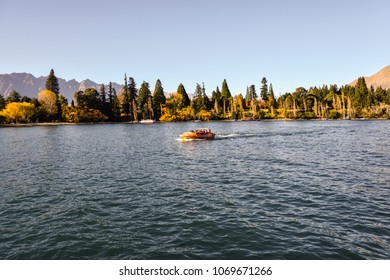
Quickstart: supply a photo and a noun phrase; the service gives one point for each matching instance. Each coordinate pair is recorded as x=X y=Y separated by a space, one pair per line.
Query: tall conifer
x=158 y=99
x=52 y=83
x=185 y=99
x=264 y=89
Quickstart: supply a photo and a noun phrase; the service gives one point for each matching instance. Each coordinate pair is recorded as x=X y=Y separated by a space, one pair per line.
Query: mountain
x=382 y=78
x=28 y=85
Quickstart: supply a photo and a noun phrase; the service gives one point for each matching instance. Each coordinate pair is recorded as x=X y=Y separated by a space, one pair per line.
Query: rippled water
x=261 y=190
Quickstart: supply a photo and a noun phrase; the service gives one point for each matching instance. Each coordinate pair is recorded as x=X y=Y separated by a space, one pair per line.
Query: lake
x=260 y=190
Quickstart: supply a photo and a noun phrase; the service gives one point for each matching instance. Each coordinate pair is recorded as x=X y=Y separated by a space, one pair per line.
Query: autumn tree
x=18 y=112
x=48 y=100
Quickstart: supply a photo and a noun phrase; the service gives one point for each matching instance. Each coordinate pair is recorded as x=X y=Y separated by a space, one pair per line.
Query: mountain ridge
x=381 y=78
x=29 y=85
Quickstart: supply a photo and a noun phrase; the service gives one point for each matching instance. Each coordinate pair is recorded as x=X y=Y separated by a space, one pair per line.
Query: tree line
x=134 y=104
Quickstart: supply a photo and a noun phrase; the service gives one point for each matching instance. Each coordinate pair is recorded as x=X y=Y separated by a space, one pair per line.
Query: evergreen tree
x=248 y=97
x=271 y=98
x=206 y=99
x=144 y=101
x=361 y=94
x=115 y=106
x=89 y=98
x=185 y=99
x=264 y=89
x=102 y=94
x=158 y=99
x=2 y=102
x=252 y=93
x=62 y=103
x=225 y=94
x=105 y=105
x=216 y=100
x=110 y=94
x=52 y=83
x=126 y=98
x=133 y=93
x=14 y=96
x=197 y=100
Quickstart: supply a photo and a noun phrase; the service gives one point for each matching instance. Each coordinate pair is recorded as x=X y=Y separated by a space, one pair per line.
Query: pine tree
x=2 y=102
x=126 y=98
x=272 y=100
x=115 y=106
x=197 y=100
x=144 y=101
x=14 y=96
x=252 y=92
x=252 y=98
x=52 y=83
x=110 y=94
x=361 y=94
x=225 y=94
x=185 y=99
x=248 y=95
x=264 y=89
x=158 y=99
x=133 y=93
x=216 y=100
x=102 y=93
x=206 y=99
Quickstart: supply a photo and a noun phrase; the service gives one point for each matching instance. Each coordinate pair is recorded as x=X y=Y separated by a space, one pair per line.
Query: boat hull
x=196 y=136
x=147 y=121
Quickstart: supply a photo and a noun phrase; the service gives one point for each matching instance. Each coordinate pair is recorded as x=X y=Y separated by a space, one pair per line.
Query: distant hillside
x=28 y=85
x=382 y=78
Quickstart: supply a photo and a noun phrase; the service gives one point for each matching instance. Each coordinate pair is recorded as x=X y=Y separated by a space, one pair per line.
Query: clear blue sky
x=291 y=43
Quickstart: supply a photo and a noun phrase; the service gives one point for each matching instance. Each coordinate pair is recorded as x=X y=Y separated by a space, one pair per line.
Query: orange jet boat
x=200 y=134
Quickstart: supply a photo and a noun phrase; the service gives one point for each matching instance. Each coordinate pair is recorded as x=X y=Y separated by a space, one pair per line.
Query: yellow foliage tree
x=204 y=115
x=48 y=99
x=18 y=112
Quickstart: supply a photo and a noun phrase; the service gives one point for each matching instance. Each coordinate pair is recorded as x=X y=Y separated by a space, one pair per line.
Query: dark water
x=261 y=190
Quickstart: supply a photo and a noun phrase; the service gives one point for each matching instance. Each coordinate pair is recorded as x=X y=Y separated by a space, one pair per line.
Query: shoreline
x=104 y=123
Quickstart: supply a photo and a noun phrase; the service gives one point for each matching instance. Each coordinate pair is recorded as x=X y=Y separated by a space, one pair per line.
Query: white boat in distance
x=147 y=121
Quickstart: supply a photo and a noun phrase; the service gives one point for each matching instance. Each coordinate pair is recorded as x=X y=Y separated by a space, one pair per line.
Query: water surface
x=261 y=190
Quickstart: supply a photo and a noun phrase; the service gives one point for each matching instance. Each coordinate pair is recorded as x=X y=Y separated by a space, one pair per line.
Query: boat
x=198 y=134
x=147 y=121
